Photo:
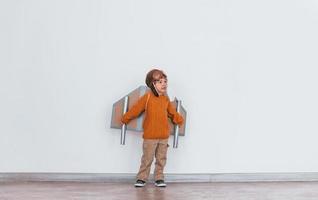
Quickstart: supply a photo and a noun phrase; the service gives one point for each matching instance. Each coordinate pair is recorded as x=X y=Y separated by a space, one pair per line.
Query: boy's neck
x=159 y=94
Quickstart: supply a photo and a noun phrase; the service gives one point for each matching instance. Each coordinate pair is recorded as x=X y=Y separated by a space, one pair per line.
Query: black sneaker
x=160 y=183
x=140 y=183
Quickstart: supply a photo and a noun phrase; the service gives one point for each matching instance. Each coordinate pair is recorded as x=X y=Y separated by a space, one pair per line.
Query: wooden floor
x=175 y=191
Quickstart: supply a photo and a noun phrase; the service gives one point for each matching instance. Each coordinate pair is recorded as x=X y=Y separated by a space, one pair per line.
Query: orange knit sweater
x=157 y=110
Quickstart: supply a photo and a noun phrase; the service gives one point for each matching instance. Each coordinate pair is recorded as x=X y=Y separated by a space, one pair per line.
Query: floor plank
x=175 y=191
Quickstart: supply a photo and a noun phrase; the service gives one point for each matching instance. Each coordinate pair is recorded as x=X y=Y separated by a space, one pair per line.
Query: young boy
x=158 y=108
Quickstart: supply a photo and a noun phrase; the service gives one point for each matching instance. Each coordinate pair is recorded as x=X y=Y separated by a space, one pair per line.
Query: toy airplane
x=124 y=104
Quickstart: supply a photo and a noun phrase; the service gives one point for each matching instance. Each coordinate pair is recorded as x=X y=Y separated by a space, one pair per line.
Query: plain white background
x=245 y=70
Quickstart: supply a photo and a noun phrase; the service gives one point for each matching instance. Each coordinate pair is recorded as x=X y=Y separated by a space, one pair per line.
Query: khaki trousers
x=153 y=148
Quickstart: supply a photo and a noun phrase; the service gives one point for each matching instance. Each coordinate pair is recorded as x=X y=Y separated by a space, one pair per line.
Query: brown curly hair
x=152 y=76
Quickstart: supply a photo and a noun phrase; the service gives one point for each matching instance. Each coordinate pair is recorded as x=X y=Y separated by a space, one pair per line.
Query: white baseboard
x=123 y=177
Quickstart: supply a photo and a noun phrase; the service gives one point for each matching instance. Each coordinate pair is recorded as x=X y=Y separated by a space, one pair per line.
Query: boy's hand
x=123 y=121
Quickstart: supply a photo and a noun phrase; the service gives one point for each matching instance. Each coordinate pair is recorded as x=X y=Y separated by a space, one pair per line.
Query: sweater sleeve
x=135 y=111
x=174 y=115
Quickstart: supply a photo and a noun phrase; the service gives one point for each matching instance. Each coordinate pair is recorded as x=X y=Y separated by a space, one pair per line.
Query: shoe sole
x=139 y=185
x=161 y=185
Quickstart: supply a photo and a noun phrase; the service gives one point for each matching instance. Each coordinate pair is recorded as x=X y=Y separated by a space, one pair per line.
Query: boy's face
x=161 y=85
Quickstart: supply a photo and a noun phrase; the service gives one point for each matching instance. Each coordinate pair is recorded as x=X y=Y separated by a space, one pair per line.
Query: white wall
x=245 y=70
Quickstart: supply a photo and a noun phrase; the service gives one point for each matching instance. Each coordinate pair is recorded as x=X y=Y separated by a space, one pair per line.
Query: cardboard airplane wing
x=136 y=124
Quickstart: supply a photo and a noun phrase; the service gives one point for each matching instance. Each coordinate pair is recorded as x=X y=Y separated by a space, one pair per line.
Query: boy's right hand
x=122 y=120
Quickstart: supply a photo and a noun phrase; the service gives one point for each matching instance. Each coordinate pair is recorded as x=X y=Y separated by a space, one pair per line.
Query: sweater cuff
x=178 y=120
